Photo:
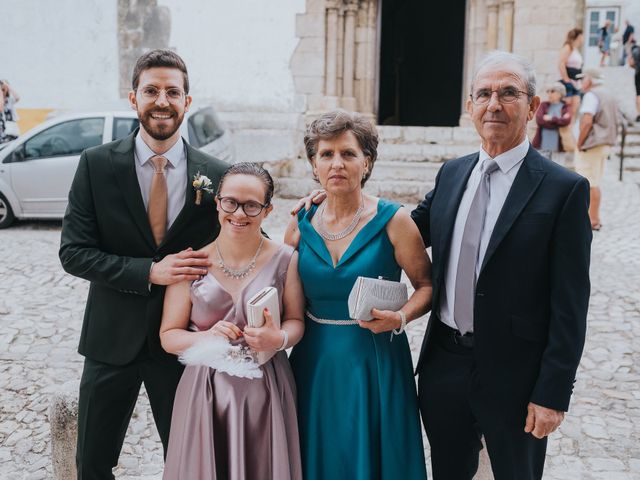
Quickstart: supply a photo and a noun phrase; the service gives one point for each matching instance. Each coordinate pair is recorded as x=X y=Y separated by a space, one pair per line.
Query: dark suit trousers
x=108 y=395
x=455 y=418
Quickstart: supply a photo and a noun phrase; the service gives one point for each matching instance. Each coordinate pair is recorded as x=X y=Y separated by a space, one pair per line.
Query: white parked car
x=36 y=169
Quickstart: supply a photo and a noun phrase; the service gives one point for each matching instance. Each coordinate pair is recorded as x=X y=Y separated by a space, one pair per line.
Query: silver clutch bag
x=368 y=293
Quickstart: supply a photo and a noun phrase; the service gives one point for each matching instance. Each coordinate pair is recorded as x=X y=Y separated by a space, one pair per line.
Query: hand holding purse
x=368 y=293
x=265 y=298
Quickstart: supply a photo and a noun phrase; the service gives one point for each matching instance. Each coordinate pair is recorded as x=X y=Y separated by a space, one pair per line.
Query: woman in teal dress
x=357 y=408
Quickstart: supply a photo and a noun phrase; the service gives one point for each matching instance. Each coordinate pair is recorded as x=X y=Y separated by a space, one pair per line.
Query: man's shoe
x=638 y=118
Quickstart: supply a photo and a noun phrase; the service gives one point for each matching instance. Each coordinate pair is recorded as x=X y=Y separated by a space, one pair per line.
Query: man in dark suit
x=131 y=208
x=510 y=238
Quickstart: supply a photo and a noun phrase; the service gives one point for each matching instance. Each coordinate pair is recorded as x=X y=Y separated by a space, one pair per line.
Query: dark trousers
x=455 y=420
x=108 y=395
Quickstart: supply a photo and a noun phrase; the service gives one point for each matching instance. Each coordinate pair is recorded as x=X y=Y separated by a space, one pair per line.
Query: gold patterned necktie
x=158 y=199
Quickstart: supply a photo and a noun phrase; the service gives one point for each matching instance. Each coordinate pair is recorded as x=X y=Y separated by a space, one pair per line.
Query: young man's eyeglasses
x=505 y=95
x=250 y=208
x=151 y=94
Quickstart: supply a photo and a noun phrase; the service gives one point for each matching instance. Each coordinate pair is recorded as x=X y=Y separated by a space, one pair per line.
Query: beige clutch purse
x=265 y=298
x=368 y=293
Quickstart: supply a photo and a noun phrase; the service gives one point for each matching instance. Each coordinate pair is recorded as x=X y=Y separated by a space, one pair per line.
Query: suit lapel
x=195 y=164
x=124 y=169
x=524 y=185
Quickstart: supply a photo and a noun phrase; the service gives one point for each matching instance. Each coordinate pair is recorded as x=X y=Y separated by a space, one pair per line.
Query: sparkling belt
x=327 y=321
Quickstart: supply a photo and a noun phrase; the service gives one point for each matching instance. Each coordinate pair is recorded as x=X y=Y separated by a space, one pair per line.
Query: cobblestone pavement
x=41 y=312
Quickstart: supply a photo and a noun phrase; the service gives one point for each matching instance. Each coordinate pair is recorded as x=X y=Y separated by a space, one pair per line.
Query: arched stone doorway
x=399 y=61
x=421 y=62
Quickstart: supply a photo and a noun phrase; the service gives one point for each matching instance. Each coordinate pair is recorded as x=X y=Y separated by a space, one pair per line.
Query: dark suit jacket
x=106 y=239
x=533 y=288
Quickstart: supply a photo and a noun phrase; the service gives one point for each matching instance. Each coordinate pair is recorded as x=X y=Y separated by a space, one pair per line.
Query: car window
x=123 y=127
x=68 y=138
x=204 y=127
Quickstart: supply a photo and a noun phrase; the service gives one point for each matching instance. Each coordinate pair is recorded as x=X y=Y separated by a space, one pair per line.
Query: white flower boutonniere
x=201 y=183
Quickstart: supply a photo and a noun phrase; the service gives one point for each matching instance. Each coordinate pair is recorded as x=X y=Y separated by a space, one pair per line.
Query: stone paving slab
x=41 y=314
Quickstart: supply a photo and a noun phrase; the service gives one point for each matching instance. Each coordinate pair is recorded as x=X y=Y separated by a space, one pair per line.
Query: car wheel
x=6 y=214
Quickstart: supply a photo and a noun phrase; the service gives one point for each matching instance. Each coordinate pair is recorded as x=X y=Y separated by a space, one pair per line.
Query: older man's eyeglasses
x=250 y=208
x=151 y=94
x=505 y=95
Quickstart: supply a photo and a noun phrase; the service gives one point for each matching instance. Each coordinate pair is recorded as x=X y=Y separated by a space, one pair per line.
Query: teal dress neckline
x=384 y=211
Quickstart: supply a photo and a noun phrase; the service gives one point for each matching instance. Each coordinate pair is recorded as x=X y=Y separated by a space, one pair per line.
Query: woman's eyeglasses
x=250 y=208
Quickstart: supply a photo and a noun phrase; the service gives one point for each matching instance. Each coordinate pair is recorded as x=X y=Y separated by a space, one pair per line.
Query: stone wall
x=535 y=29
x=540 y=28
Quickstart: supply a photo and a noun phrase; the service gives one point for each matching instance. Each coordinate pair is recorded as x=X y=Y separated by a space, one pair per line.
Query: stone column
x=331 y=80
x=492 y=24
x=369 y=60
x=340 y=56
x=348 y=98
x=366 y=57
x=506 y=12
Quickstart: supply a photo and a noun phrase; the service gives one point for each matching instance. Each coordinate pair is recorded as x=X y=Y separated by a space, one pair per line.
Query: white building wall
x=238 y=53
x=64 y=54
x=629 y=10
x=61 y=54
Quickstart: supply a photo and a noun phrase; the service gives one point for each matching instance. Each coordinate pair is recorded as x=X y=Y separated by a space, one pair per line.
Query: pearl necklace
x=242 y=272
x=342 y=233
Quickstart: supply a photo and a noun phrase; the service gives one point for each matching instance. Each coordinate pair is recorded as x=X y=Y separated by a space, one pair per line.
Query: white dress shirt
x=500 y=184
x=176 y=172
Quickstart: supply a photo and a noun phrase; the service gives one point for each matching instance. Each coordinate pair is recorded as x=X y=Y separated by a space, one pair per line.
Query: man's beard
x=160 y=132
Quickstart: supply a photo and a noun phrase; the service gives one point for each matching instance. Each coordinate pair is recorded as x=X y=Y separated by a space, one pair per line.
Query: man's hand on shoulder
x=185 y=265
x=316 y=196
x=542 y=421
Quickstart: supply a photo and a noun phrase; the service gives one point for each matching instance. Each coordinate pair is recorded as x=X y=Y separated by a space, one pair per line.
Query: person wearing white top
x=570 y=65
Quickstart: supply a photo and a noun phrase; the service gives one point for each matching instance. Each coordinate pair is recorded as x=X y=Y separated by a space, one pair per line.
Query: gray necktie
x=466 y=274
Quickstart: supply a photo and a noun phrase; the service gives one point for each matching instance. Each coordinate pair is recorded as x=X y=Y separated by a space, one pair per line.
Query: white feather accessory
x=217 y=353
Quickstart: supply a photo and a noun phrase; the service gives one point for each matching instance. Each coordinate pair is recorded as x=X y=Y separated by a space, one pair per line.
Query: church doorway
x=421 y=62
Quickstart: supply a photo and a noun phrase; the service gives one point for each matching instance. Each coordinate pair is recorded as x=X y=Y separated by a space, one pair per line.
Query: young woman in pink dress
x=226 y=426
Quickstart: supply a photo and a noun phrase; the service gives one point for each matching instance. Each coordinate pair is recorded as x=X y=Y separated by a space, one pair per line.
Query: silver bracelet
x=403 y=325
x=285 y=341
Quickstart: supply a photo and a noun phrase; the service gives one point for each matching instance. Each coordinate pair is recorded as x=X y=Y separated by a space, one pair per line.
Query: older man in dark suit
x=510 y=238
x=131 y=208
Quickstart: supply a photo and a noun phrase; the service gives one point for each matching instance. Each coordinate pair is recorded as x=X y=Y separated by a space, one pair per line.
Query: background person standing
x=627 y=37
x=598 y=130
x=552 y=114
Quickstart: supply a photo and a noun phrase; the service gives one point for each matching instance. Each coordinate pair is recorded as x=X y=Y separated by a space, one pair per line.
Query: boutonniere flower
x=201 y=183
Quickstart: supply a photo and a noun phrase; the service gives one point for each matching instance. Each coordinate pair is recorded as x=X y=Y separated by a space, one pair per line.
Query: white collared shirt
x=176 y=173
x=501 y=181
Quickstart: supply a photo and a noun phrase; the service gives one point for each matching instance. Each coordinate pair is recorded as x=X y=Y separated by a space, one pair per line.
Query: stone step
x=428 y=135
x=384 y=171
x=415 y=152
x=629 y=150
x=632 y=164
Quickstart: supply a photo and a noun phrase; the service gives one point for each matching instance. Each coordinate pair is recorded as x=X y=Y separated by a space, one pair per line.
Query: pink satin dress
x=226 y=427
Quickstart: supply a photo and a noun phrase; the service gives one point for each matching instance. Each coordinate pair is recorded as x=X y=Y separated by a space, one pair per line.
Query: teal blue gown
x=357 y=406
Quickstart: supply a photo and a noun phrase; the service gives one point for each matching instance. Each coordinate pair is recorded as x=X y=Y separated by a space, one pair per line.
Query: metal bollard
x=63 y=420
